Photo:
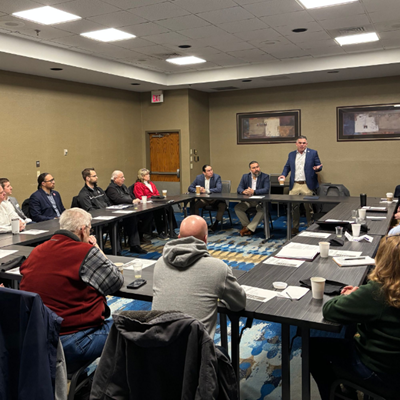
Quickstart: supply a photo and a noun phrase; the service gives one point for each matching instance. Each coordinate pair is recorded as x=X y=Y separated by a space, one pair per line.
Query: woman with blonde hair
x=372 y=356
x=144 y=187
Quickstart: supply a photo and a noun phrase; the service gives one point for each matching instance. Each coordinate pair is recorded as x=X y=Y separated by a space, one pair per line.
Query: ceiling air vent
x=352 y=31
x=226 y=88
x=275 y=78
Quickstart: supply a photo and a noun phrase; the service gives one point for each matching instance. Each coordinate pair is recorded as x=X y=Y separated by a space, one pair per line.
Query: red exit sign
x=157 y=96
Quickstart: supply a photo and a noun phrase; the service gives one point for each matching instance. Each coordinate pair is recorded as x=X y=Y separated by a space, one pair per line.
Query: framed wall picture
x=375 y=122
x=268 y=127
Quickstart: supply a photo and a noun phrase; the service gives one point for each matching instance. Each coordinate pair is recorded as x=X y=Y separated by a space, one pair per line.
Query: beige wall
x=368 y=167
x=41 y=117
x=173 y=116
x=199 y=130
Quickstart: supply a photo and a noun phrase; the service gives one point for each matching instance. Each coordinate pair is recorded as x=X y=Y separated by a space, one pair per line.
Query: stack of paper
x=257 y=294
x=119 y=207
x=314 y=234
x=353 y=261
x=375 y=209
x=299 y=251
x=283 y=262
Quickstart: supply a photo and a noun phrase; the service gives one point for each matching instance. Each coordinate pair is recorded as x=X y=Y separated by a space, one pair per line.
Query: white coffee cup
x=282 y=181
x=144 y=199
x=362 y=212
x=164 y=193
x=198 y=189
x=317 y=287
x=355 y=228
x=389 y=197
x=324 y=249
x=15 y=226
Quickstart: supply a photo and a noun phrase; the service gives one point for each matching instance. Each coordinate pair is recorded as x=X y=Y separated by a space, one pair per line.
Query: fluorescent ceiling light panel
x=108 y=35
x=46 y=15
x=186 y=60
x=356 y=39
x=323 y=3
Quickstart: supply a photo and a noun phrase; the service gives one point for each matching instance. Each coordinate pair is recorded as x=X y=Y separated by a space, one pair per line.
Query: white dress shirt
x=300 y=162
x=207 y=185
x=253 y=183
x=7 y=213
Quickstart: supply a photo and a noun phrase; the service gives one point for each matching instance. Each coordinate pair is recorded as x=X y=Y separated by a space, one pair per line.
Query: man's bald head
x=194 y=226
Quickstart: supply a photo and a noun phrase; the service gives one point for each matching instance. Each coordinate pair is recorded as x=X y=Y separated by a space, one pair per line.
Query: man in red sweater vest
x=72 y=276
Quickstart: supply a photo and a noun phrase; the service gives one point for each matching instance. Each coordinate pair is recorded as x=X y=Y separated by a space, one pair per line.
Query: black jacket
x=160 y=355
x=93 y=199
x=119 y=194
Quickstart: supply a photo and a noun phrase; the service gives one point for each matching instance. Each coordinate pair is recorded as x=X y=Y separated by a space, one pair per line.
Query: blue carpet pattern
x=260 y=349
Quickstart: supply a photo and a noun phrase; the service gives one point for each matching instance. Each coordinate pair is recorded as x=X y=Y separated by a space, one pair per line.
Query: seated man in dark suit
x=255 y=183
x=209 y=183
x=45 y=203
x=303 y=165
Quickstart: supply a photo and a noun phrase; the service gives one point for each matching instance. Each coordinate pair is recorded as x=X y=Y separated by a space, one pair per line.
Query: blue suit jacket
x=40 y=207
x=215 y=183
x=312 y=160
x=262 y=186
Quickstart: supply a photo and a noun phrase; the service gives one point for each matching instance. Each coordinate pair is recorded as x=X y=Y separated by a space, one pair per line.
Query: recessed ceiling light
x=185 y=46
x=108 y=35
x=185 y=60
x=56 y=69
x=323 y=3
x=135 y=84
x=46 y=15
x=299 y=30
x=355 y=39
x=246 y=80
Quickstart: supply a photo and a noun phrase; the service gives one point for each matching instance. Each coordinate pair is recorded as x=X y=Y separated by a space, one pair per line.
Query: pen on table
x=354 y=258
x=290 y=297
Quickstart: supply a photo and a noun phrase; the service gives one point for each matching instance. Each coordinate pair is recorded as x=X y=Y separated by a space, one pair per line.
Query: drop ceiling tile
x=87 y=8
x=20 y=23
x=46 y=33
x=117 y=19
x=308 y=37
x=390 y=43
x=289 y=51
x=204 y=32
x=272 y=44
x=156 y=51
x=226 y=15
x=252 y=55
x=390 y=35
x=198 y=51
x=156 y=12
x=80 y=26
x=326 y=51
x=81 y=42
x=146 y=29
x=245 y=25
x=127 y=4
x=287 y=29
x=233 y=46
x=196 y=6
x=343 y=10
x=13 y=6
x=345 y=22
x=363 y=47
x=295 y=18
x=115 y=52
x=243 y=2
x=185 y=22
x=374 y=5
x=273 y=7
x=134 y=43
x=260 y=35
x=384 y=14
x=170 y=38
x=391 y=25
x=318 y=44
x=221 y=39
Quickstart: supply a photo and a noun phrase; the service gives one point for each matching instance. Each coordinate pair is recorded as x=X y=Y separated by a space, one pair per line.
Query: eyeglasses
x=51 y=180
x=91 y=230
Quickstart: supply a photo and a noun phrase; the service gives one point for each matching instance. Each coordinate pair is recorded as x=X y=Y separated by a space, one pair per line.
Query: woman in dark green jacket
x=372 y=356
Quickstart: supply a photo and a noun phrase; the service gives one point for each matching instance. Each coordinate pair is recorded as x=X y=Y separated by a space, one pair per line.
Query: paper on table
x=375 y=218
x=124 y=212
x=104 y=217
x=297 y=254
x=294 y=245
x=257 y=294
x=256 y=197
x=294 y=292
x=145 y=263
x=33 y=232
x=283 y=262
x=350 y=238
x=315 y=234
x=339 y=220
x=5 y=253
x=345 y=262
x=14 y=271
x=118 y=207
x=344 y=253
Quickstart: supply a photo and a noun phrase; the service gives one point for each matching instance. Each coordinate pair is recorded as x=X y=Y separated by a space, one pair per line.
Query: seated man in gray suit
x=255 y=183
x=6 y=185
x=209 y=183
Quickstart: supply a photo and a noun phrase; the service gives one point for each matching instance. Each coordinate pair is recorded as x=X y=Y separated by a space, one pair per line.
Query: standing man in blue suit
x=45 y=203
x=209 y=183
x=303 y=164
x=255 y=183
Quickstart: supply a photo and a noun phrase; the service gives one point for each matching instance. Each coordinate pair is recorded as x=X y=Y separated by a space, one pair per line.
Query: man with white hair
x=7 y=215
x=72 y=276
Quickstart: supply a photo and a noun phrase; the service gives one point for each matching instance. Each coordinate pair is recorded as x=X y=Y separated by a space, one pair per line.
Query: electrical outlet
x=65 y=152
x=37 y=164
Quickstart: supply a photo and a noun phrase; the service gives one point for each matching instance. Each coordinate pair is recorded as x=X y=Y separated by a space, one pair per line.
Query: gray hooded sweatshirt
x=188 y=279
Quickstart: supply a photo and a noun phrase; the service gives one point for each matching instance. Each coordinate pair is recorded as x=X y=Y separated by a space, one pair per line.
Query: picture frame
x=268 y=127
x=372 y=122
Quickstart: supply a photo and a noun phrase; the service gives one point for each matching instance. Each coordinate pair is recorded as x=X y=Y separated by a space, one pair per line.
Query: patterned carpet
x=260 y=349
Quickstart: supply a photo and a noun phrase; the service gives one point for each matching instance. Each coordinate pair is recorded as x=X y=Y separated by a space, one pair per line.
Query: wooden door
x=164 y=157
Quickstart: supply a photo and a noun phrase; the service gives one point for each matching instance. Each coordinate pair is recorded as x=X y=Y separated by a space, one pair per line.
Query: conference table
x=305 y=313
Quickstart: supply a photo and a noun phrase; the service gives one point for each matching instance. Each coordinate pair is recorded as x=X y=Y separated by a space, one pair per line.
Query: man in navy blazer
x=45 y=203
x=303 y=164
x=209 y=183
x=255 y=183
